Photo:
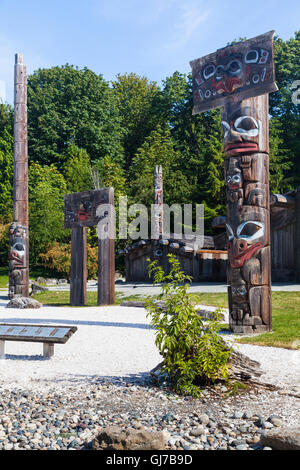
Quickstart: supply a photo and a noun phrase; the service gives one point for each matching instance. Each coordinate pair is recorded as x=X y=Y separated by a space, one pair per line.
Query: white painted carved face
x=241 y=129
x=246 y=126
x=249 y=231
x=239 y=290
x=234 y=181
x=243 y=244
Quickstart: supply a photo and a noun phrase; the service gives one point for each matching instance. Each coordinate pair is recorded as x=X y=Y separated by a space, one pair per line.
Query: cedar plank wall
x=205 y=266
x=283 y=241
x=285 y=251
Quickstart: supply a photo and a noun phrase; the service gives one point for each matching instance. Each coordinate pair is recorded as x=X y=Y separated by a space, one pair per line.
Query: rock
x=41 y=280
x=23 y=302
x=51 y=282
x=283 y=439
x=35 y=288
x=198 y=431
x=237 y=415
x=267 y=425
x=114 y=438
x=276 y=422
x=247 y=415
x=204 y=419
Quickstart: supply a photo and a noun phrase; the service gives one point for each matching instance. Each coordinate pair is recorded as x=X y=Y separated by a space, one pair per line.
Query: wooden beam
x=78 y=276
x=106 y=260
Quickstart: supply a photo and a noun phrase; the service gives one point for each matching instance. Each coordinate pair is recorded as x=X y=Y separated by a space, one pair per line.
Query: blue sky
x=153 y=38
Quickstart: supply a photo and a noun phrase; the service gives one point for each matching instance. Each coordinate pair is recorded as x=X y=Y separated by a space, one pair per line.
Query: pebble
x=68 y=419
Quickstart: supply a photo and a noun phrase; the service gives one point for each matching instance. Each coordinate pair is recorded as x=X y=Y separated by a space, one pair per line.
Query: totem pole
x=158 y=202
x=157 y=217
x=18 y=233
x=238 y=78
x=87 y=209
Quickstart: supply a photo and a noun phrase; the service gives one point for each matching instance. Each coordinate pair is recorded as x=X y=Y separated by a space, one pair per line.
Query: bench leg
x=48 y=349
x=2 y=349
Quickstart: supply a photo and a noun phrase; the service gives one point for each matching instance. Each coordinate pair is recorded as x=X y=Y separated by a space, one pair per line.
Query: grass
x=34 y=274
x=62 y=298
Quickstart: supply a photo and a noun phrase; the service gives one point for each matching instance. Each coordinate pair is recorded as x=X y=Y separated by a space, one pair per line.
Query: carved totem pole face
x=243 y=128
x=246 y=235
x=17 y=254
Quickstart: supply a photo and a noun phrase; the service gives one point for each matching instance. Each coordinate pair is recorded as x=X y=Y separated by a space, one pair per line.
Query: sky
x=151 y=38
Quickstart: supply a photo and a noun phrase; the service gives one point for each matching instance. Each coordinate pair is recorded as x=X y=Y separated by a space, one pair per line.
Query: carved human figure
x=17 y=252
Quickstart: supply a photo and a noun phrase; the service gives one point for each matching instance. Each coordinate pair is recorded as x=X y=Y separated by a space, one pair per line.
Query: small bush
x=58 y=259
x=193 y=352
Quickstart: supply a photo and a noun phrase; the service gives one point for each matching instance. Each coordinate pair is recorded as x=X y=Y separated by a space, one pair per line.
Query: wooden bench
x=46 y=334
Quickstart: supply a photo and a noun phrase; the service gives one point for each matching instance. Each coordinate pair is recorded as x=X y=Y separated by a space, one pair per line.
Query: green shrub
x=193 y=352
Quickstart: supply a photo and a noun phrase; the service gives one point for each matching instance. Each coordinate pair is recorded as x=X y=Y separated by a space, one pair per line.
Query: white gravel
x=110 y=342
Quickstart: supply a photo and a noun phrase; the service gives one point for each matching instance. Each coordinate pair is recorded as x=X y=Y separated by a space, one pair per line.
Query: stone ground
x=60 y=418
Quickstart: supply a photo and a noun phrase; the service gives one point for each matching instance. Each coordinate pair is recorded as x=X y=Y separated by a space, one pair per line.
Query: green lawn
x=3 y=277
x=285 y=319
x=34 y=274
x=62 y=298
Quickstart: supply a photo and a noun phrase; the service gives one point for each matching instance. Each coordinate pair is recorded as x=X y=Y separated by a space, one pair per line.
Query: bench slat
x=36 y=333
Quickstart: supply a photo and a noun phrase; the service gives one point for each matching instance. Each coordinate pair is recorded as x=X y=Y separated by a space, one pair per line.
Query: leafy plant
x=193 y=352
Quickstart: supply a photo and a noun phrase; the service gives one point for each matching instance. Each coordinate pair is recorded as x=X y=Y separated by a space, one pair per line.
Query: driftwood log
x=241 y=369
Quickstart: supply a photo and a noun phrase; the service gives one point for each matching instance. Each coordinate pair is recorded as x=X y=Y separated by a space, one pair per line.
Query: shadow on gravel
x=143 y=326
x=142 y=379
x=18 y=357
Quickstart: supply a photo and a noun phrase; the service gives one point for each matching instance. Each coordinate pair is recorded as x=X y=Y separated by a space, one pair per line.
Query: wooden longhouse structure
x=209 y=264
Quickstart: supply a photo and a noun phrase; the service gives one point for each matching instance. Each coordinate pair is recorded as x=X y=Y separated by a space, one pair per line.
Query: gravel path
x=101 y=377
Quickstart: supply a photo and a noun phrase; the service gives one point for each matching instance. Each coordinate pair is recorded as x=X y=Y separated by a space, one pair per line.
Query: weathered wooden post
x=238 y=78
x=19 y=252
x=106 y=255
x=297 y=209
x=78 y=274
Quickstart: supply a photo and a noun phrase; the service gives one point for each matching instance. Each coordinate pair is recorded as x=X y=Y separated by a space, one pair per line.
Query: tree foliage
x=71 y=106
x=46 y=215
x=85 y=132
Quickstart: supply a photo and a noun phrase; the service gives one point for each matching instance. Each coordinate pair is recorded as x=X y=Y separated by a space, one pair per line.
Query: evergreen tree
x=136 y=98
x=6 y=176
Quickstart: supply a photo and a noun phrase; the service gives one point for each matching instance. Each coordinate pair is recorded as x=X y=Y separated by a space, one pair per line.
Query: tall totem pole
x=158 y=202
x=18 y=235
x=238 y=78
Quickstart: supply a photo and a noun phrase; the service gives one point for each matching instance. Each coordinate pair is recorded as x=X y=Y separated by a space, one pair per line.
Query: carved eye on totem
x=209 y=71
x=234 y=67
x=238 y=290
x=247 y=125
x=229 y=232
x=250 y=230
x=225 y=128
x=234 y=179
x=220 y=70
x=87 y=205
x=19 y=248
